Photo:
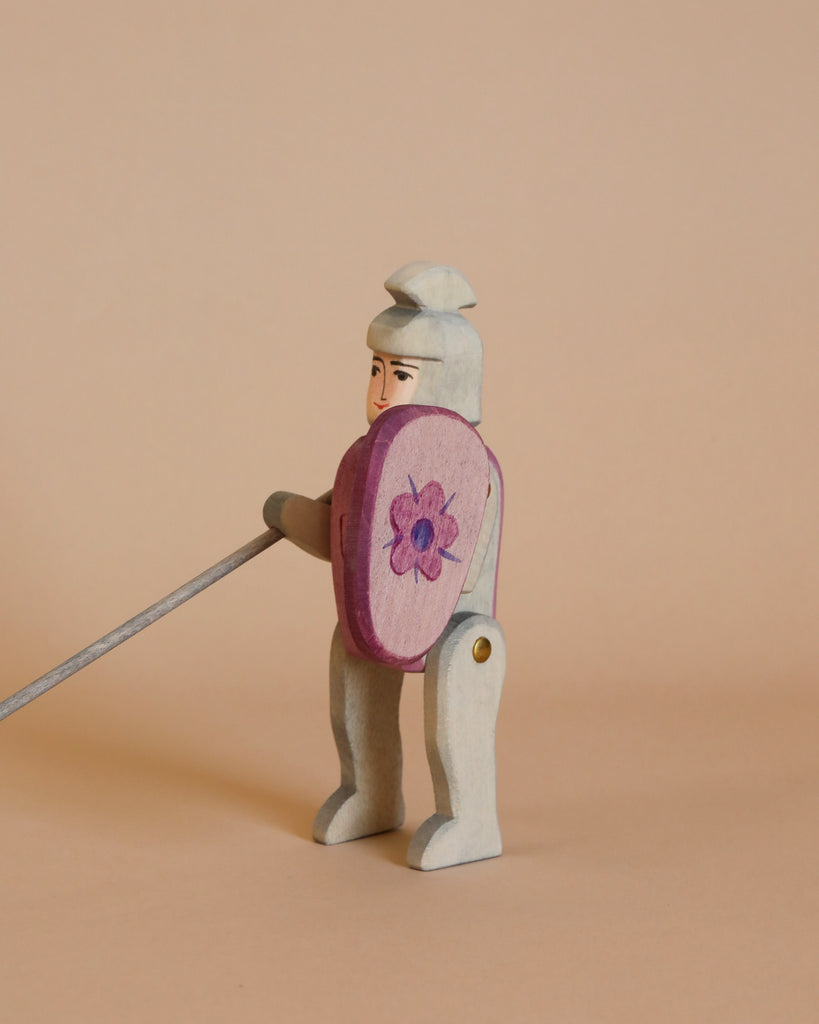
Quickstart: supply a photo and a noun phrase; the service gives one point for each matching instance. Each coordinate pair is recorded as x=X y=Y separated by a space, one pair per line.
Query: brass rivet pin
x=481 y=649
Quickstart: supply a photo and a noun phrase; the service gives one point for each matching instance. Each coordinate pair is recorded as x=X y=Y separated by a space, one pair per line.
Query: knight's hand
x=304 y=521
x=273 y=509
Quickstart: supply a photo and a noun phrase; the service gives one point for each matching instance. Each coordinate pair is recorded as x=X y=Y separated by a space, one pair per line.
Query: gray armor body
x=464 y=670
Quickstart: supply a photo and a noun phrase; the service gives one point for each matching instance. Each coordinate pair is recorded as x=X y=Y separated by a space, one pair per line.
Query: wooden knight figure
x=412 y=528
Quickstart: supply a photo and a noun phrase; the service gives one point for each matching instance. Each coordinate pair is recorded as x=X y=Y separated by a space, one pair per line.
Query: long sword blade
x=138 y=622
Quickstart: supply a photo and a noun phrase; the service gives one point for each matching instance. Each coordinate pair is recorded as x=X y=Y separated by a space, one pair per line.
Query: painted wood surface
x=425 y=327
x=138 y=622
x=408 y=505
x=304 y=521
x=481 y=586
x=364 y=710
x=426 y=285
x=461 y=701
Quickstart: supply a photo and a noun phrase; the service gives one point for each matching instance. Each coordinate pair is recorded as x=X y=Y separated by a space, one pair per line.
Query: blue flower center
x=423 y=533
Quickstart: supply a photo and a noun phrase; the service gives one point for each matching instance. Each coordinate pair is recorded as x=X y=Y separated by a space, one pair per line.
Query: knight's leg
x=462 y=689
x=364 y=699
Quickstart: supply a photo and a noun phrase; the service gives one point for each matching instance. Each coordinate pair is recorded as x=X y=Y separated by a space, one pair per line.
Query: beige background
x=199 y=204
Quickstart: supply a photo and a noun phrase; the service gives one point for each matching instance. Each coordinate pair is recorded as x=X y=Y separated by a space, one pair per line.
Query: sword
x=138 y=622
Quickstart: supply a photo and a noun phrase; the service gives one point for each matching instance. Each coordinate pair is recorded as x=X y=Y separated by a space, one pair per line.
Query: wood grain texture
x=450 y=347
x=461 y=695
x=424 y=324
x=461 y=700
x=304 y=521
x=364 y=700
x=396 y=591
x=427 y=285
x=138 y=622
x=481 y=596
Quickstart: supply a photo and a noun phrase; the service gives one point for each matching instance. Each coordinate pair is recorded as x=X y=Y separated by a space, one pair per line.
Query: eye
x=402 y=375
x=375 y=370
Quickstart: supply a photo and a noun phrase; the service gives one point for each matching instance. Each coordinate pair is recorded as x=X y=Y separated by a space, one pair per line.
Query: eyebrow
x=397 y=362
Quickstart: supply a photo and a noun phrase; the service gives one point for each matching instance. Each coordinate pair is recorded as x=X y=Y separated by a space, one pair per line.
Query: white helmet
x=425 y=324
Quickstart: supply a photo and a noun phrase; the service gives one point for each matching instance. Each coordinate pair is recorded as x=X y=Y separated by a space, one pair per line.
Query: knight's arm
x=304 y=521
x=478 y=592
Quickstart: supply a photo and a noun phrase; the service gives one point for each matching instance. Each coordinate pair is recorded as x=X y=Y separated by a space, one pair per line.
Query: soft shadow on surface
x=389 y=846
x=58 y=770
x=679 y=819
x=50 y=767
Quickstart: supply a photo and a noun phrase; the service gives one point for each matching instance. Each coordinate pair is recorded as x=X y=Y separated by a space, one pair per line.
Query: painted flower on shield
x=424 y=531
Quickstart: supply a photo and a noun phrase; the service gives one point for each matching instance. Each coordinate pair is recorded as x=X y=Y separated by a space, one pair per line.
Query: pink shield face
x=408 y=502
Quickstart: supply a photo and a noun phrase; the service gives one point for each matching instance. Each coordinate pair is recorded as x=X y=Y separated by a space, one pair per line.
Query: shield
x=407 y=507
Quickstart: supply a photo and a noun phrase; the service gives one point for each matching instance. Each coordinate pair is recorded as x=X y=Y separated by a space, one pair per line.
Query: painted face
x=393 y=381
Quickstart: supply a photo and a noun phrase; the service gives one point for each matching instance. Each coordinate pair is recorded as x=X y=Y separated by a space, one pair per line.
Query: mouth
x=379 y=405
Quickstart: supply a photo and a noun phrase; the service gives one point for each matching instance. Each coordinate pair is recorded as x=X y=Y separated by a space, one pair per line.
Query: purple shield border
x=351 y=573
